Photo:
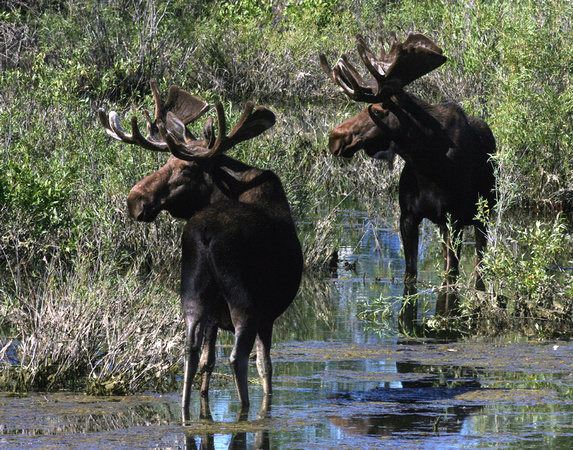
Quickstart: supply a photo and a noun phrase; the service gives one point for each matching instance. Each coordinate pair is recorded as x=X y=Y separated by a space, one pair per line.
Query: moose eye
x=190 y=171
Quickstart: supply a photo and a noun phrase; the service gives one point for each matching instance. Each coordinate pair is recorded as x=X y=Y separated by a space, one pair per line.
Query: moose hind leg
x=194 y=332
x=264 y=364
x=208 y=357
x=245 y=334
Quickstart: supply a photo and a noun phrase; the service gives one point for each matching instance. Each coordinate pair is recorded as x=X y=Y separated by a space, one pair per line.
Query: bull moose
x=448 y=166
x=241 y=261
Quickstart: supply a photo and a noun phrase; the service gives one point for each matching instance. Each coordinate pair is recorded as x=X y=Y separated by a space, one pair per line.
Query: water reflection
x=332 y=395
x=238 y=440
x=417 y=406
x=371 y=265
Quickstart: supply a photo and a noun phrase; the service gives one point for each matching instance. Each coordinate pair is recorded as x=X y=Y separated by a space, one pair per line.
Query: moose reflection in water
x=241 y=262
x=239 y=440
x=420 y=406
x=448 y=169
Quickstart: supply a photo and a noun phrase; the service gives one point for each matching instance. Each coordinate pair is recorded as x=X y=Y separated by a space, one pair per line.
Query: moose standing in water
x=447 y=154
x=241 y=262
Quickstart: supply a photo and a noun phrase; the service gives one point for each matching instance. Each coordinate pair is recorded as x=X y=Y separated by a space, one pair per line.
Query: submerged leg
x=452 y=247
x=448 y=302
x=481 y=247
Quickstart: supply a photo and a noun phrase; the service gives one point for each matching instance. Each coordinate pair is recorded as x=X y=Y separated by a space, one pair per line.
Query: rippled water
x=337 y=383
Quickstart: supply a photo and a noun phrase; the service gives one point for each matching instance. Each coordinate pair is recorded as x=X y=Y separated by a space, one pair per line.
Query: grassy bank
x=68 y=252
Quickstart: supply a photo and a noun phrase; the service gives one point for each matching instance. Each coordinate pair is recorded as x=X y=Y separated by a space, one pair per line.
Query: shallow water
x=337 y=383
x=408 y=394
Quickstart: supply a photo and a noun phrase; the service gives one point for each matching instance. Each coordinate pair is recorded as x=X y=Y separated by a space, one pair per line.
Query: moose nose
x=137 y=206
x=336 y=143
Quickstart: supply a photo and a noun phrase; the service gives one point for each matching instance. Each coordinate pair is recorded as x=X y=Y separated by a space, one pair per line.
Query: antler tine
x=403 y=63
x=351 y=71
x=373 y=64
x=222 y=123
x=174 y=136
x=345 y=76
x=149 y=143
x=344 y=79
x=159 y=104
x=173 y=132
x=354 y=85
x=381 y=47
x=250 y=124
x=247 y=111
x=103 y=118
x=326 y=67
x=243 y=129
x=118 y=132
x=114 y=129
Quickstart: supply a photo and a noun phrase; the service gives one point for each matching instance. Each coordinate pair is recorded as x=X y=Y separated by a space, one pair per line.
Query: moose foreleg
x=409 y=310
x=410 y=238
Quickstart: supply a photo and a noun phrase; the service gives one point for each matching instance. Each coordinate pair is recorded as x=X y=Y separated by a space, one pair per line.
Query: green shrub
x=525 y=268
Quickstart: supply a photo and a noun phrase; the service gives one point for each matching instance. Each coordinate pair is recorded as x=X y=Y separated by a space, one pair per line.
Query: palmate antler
x=403 y=63
x=168 y=132
x=250 y=125
x=179 y=102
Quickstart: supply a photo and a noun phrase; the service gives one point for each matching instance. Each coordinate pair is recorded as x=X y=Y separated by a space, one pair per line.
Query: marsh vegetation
x=91 y=298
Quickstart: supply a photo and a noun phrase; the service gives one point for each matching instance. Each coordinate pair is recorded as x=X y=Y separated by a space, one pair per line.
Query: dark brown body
x=448 y=168
x=241 y=259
